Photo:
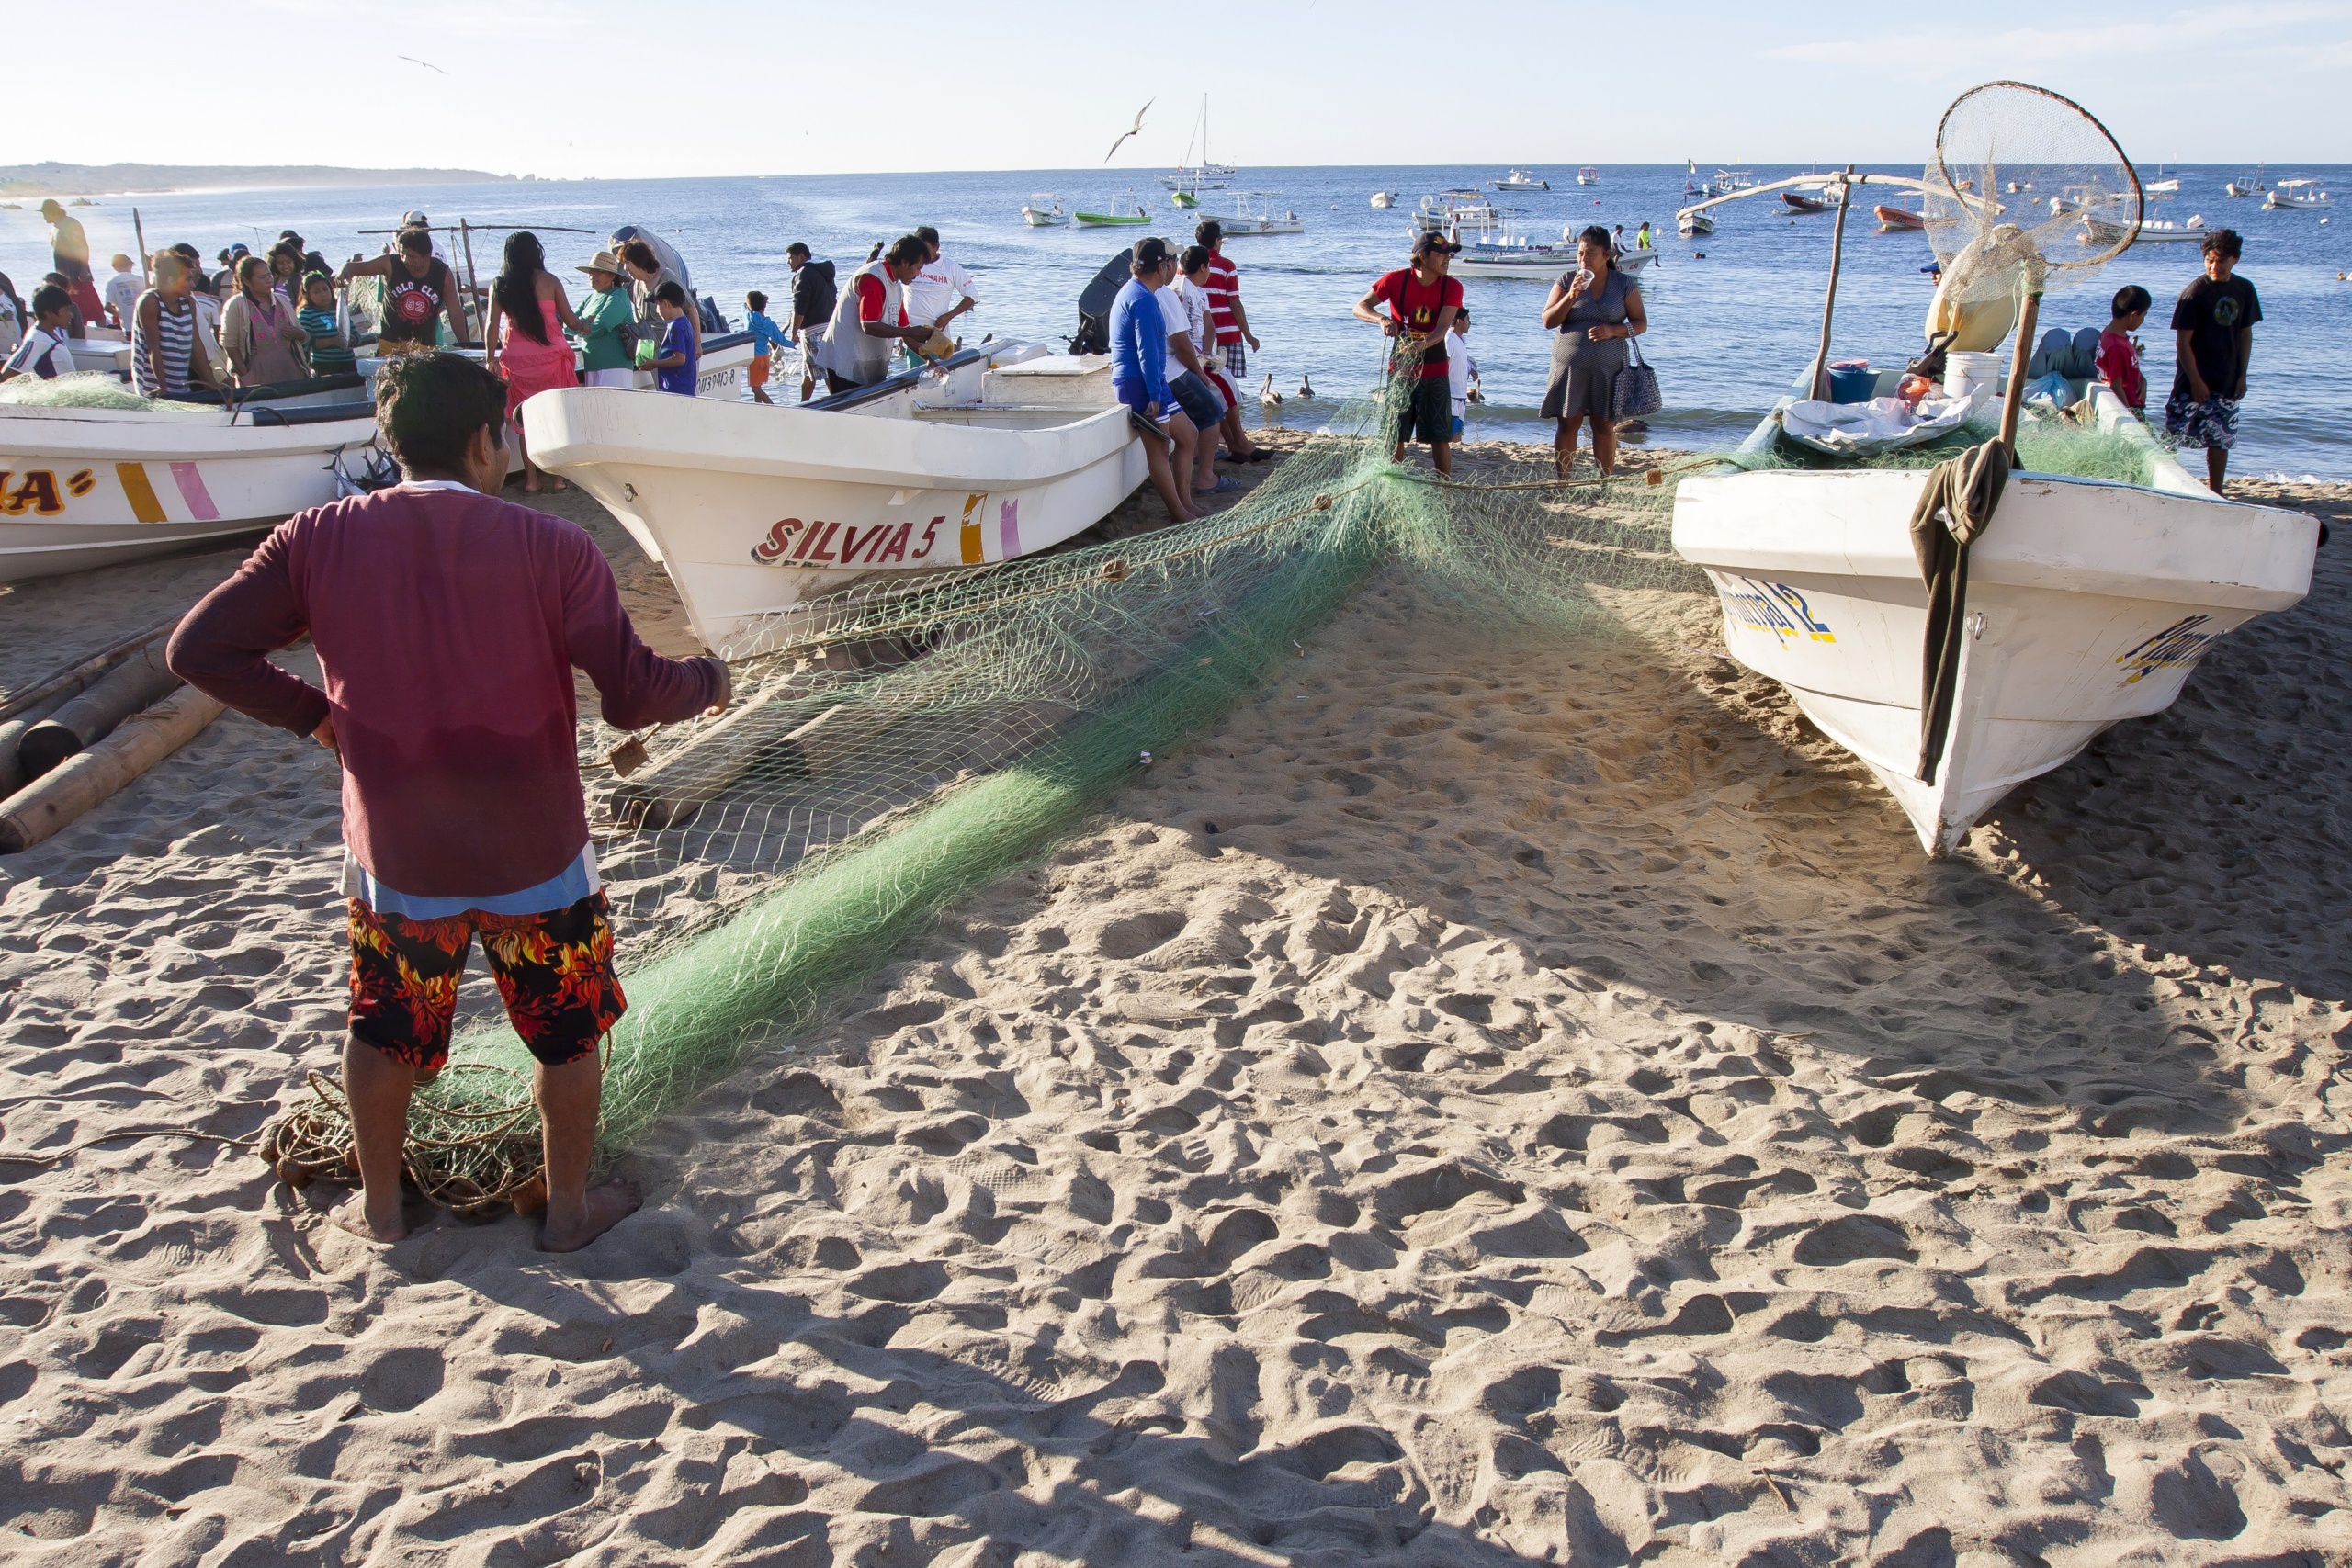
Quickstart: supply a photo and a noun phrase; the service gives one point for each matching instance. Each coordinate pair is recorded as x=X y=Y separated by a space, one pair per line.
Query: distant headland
x=94 y=179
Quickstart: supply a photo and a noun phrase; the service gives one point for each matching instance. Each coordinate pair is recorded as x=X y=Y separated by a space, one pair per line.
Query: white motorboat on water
x=1522 y=179
x=2101 y=234
x=2295 y=195
x=1382 y=199
x=752 y=510
x=90 y=486
x=2087 y=602
x=1455 y=211
x=2252 y=185
x=1588 y=176
x=1259 y=212
x=1043 y=211
x=1693 y=225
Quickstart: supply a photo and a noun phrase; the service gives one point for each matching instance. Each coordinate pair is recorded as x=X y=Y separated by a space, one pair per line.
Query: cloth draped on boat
x=1954 y=510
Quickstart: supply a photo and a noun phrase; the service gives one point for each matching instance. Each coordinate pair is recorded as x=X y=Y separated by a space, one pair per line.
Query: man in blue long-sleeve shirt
x=1140 y=372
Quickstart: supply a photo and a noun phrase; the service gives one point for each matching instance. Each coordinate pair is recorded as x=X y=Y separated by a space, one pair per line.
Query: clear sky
x=642 y=88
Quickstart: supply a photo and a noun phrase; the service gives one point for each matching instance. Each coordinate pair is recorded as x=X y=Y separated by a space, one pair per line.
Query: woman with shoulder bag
x=1598 y=312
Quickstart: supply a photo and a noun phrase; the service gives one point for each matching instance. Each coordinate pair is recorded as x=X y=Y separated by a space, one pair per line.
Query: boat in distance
x=993 y=455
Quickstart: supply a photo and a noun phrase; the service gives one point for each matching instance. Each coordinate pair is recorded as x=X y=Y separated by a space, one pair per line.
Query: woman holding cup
x=1596 y=310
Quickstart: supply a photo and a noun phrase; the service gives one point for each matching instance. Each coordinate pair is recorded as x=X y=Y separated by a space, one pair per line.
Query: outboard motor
x=1094 y=305
x=661 y=248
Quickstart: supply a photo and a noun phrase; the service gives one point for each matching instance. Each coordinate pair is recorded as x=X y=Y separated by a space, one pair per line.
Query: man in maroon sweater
x=447 y=623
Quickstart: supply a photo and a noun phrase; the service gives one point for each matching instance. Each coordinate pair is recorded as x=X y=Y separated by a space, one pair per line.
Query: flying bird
x=427 y=63
x=1130 y=130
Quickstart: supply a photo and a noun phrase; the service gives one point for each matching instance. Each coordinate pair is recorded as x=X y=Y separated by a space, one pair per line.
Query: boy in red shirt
x=2119 y=356
x=1421 y=300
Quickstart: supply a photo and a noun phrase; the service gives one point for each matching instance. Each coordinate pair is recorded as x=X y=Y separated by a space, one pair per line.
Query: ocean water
x=1733 y=316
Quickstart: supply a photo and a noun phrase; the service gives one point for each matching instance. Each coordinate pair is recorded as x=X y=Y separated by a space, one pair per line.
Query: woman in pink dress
x=531 y=351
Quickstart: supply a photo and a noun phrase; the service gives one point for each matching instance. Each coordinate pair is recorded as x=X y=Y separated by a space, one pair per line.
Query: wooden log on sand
x=12 y=767
x=92 y=776
x=91 y=717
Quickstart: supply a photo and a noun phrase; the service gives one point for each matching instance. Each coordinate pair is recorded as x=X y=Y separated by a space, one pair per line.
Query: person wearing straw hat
x=605 y=317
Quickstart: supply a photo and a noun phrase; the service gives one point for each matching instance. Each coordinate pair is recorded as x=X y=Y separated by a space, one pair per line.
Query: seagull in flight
x=1130 y=130
x=427 y=63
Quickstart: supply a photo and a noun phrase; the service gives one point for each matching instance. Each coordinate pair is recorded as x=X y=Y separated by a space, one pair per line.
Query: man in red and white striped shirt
x=1230 y=321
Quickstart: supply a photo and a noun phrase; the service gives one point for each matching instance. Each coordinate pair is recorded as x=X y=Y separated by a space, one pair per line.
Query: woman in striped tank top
x=163 y=334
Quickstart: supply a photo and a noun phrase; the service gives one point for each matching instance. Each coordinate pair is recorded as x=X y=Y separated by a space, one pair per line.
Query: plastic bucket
x=1853 y=386
x=1967 y=373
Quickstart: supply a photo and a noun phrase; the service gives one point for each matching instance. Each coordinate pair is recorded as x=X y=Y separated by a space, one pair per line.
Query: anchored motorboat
x=1522 y=180
x=2295 y=195
x=1043 y=211
x=990 y=456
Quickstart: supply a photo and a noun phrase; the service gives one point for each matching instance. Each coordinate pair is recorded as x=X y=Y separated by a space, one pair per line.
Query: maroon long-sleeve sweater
x=447 y=625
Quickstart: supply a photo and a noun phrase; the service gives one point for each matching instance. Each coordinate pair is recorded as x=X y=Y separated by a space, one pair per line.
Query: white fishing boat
x=1693 y=225
x=1588 y=176
x=1043 y=211
x=1729 y=180
x=2295 y=195
x=88 y=486
x=752 y=510
x=1525 y=179
x=1259 y=212
x=1455 y=211
x=2151 y=231
x=2087 y=602
x=1382 y=199
x=2252 y=185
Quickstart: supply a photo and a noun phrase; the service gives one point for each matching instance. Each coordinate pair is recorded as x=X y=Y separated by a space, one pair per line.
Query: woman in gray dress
x=1595 y=309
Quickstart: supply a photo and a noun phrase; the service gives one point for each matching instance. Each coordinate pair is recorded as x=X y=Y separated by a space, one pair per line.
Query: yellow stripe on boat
x=141 y=493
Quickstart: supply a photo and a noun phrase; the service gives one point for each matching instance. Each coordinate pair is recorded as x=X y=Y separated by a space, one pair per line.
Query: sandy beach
x=1493 y=1100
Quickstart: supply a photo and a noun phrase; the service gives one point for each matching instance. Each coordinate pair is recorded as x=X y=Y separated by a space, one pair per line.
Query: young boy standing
x=765 y=335
x=674 y=366
x=44 y=351
x=2213 y=331
x=2119 y=356
x=1460 y=370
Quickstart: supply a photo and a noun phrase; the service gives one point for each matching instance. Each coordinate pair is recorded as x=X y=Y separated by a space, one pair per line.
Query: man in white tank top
x=871 y=316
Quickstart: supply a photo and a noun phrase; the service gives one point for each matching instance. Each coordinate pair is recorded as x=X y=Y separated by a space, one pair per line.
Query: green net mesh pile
x=904 y=744
x=89 y=389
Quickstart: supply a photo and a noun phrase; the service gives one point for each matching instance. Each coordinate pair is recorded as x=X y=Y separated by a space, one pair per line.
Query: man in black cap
x=1421 y=300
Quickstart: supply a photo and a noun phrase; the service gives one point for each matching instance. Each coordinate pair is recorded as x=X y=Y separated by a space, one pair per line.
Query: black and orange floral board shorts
x=554 y=972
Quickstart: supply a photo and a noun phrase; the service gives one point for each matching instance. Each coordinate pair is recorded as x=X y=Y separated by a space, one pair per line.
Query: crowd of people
x=281 y=315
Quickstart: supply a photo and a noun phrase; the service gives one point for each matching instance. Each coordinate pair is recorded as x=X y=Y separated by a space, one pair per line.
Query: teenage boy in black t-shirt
x=2213 y=331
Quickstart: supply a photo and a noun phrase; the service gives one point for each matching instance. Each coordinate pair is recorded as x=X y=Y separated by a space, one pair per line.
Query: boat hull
x=2088 y=604
x=752 y=510
x=93 y=487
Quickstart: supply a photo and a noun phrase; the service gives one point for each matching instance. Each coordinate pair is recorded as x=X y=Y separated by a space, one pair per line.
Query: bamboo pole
x=146 y=266
x=2013 y=398
x=91 y=717
x=473 y=283
x=90 y=778
x=1830 y=305
x=78 y=675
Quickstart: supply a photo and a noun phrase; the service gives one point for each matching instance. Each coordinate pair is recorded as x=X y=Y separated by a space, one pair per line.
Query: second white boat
x=754 y=511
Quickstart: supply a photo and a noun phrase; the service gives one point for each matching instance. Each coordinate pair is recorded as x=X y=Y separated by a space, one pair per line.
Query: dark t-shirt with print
x=2214 y=314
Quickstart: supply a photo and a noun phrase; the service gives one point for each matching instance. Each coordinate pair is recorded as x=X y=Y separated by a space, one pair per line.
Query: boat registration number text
x=1773 y=607
x=36 y=491
x=817 y=542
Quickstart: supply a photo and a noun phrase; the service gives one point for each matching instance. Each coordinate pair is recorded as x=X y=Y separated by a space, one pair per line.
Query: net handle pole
x=1829 y=304
x=473 y=286
x=146 y=267
x=2013 y=398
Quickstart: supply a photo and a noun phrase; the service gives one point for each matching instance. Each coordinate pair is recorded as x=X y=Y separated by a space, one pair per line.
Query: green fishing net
x=88 y=389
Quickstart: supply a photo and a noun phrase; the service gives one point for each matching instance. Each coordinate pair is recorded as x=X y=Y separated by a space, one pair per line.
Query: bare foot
x=607 y=1206
x=353 y=1216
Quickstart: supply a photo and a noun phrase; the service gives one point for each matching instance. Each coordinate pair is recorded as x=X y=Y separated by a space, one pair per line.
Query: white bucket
x=1967 y=373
